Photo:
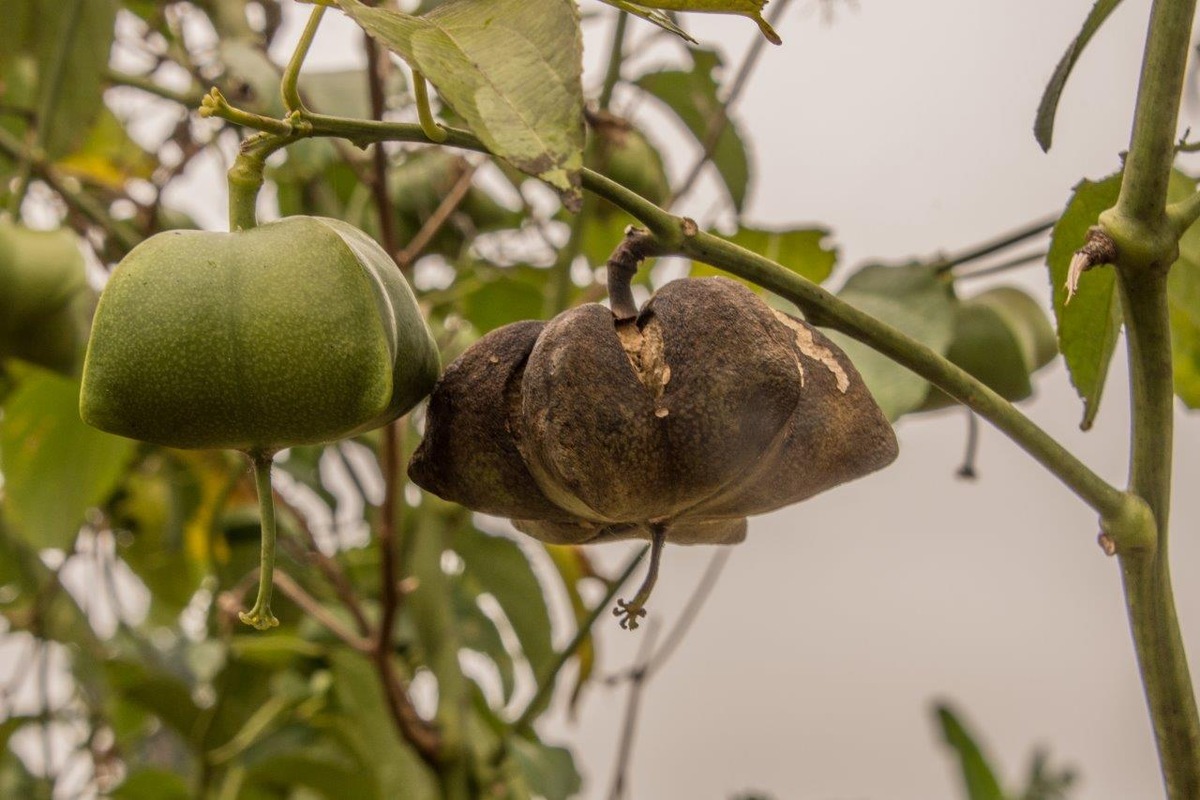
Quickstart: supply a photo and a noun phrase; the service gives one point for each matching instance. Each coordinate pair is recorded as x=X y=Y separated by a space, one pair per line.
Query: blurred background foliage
x=123 y=565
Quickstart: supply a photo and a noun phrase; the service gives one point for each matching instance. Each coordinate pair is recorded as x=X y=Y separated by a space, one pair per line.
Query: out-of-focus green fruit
x=299 y=331
x=625 y=155
x=422 y=182
x=45 y=300
x=1002 y=337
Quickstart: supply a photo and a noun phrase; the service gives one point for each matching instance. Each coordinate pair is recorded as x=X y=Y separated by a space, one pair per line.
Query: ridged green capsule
x=294 y=332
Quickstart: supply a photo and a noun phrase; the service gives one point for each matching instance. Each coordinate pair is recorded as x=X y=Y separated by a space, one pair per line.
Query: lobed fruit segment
x=298 y=331
x=707 y=408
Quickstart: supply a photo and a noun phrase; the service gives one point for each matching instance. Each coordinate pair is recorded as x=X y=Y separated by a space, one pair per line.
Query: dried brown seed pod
x=708 y=407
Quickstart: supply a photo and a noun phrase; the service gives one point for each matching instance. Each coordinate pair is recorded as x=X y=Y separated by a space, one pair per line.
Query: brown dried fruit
x=707 y=408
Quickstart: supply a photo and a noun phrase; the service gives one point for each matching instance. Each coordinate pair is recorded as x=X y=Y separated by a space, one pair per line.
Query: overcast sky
x=906 y=128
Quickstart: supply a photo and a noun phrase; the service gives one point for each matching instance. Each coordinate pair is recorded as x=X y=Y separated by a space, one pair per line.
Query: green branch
x=679 y=235
x=549 y=677
x=289 y=87
x=190 y=99
x=1152 y=144
x=616 y=56
x=1139 y=224
x=1146 y=234
x=827 y=310
x=1183 y=215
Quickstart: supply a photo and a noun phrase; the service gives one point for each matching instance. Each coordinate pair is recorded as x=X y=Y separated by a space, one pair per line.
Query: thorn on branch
x=1098 y=249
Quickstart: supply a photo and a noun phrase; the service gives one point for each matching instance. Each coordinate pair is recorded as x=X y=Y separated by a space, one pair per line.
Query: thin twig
x=616 y=55
x=73 y=196
x=379 y=187
x=329 y=567
x=717 y=123
x=1004 y=266
x=310 y=605
x=691 y=611
x=967 y=470
x=1036 y=228
x=191 y=99
x=43 y=690
x=547 y=680
x=632 y=707
x=449 y=204
x=411 y=725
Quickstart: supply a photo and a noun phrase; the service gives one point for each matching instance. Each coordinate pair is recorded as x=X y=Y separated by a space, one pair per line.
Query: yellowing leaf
x=55 y=467
x=108 y=156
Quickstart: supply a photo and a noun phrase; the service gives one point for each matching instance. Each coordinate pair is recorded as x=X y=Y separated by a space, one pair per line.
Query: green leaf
x=693 y=96
x=1183 y=297
x=978 y=778
x=108 y=156
x=42 y=36
x=574 y=566
x=166 y=696
x=650 y=15
x=913 y=299
x=505 y=296
x=1183 y=294
x=1088 y=326
x=476 y=631
x=742 y=8
x=1043 y=126
x=298 y=755
x=157 y=506
x=152 y=783
x=802 y=250
x=55 y=467
x=502 y=570
x=1001 y=337
x=346 y=92
x=368 y=728
x=549 y=771
x=512 y=69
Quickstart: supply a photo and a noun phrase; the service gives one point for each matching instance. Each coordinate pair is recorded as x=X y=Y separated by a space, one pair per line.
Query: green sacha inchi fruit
x=674 y=426
x=45 y=300
x=294 y=332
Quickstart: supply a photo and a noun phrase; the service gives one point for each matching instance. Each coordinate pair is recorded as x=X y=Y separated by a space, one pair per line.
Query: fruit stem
x=623 y=265
x=260 y=616
x=289 y=85
x=435 y=132
x=245 y=180
x=633 y=610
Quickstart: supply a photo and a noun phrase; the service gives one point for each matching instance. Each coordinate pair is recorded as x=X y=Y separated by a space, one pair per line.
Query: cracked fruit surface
x=709 y=407
x=294 y=332
x=45 y=300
